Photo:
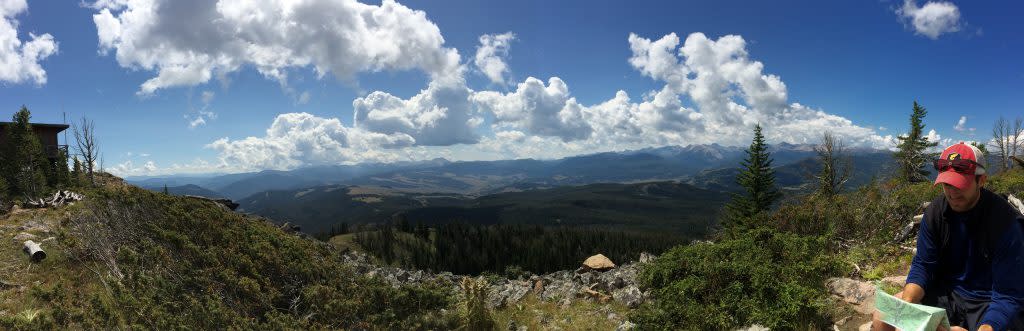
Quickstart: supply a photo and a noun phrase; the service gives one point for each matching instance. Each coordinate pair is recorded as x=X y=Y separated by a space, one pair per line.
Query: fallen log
x=34 y=251
x=1016 y=203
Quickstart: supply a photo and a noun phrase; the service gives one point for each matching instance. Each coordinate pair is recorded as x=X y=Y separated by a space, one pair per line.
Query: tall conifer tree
x=912 y=154
x=26 y=165
x=758 y=182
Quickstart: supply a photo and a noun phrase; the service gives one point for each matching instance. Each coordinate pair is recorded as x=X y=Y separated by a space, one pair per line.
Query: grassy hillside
x=680 y=208
x=130 y=258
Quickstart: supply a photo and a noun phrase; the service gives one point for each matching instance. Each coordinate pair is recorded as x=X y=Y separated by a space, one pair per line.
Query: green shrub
x=761 y=276
x=1008 y=182
x=872 y=214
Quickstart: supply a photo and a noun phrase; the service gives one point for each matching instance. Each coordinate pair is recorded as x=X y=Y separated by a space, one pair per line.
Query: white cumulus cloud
x=538 y=109
x=188 y=42
x=931 y=20
x=439 y=115
x=730 y=92
x=296 y=139
x=19 y=60
x=713 y=92
x=490 y=55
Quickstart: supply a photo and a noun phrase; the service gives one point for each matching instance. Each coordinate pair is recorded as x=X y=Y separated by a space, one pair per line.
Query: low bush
x=761 y=276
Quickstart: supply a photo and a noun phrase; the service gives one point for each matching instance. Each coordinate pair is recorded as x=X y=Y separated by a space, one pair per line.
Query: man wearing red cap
x=970 y=250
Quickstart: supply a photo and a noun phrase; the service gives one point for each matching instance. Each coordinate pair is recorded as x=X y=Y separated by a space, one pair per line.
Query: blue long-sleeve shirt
x=1001 y=281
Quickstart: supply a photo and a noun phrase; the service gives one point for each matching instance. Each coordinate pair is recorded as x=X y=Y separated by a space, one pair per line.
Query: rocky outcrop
x=224 y=203
x=859 y=294
x=910 y=229
x=564 y=286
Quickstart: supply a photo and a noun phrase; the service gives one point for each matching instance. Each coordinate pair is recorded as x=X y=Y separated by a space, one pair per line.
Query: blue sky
x=243 y=88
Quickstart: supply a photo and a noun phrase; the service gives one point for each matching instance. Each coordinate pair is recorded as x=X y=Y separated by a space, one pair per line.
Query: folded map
x=908 y=316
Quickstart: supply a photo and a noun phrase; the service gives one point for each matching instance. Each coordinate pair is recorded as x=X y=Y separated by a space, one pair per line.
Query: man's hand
x=912 y=293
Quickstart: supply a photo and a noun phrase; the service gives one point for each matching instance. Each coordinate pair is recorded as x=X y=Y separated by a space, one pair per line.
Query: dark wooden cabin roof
x=60 y=127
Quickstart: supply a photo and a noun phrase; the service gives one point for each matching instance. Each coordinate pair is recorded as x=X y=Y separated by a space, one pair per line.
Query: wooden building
x=48 y=135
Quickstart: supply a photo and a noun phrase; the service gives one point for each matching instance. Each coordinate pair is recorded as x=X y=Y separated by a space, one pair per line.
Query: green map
x=909 y=316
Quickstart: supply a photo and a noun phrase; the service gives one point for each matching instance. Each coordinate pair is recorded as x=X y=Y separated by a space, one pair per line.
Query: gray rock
x=860 y=294
x=895 y=280
x=631 y=296
x=507 y=293
x=34 y=226
x=625 y=325
x=21 y=237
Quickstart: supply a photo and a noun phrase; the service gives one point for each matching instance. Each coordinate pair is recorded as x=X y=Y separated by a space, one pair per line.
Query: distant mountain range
x=590 y=189
x=706 y=166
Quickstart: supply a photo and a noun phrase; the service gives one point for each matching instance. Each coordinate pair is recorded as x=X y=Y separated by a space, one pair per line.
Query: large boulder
x=598 y=262
x=860 y=294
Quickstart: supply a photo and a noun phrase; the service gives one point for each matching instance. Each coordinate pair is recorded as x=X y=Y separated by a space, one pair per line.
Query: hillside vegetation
x=653 y=206
x=130 y=258
x=771 y=272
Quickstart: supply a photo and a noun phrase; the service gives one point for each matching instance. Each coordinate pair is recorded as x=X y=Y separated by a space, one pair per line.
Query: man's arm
x=924 y=264
x=921 y=268
x=1007 y=285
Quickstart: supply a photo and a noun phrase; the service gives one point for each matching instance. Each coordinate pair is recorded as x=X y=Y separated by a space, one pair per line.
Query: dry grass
x=537 y=314
x=345 y=242
x=20 y=276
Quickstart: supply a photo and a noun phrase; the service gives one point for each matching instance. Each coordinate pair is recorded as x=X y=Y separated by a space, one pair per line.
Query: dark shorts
x=966 y=312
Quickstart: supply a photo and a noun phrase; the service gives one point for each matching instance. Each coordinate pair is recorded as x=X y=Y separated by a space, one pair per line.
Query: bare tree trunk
x=1000 y=135
x=835 y=167
x=1015 y=140
x=86 y=146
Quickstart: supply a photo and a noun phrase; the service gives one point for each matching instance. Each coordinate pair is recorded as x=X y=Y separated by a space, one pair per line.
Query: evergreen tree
x=165 y=190
x=981 y=147
x=912 y=155
x=61 y=177
x=3 y=192
x=4 y=172
x=26 y=164
x=758 y=182
x=76 y=172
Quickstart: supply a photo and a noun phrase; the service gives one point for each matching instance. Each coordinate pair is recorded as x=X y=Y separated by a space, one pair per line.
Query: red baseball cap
x=961 y=151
